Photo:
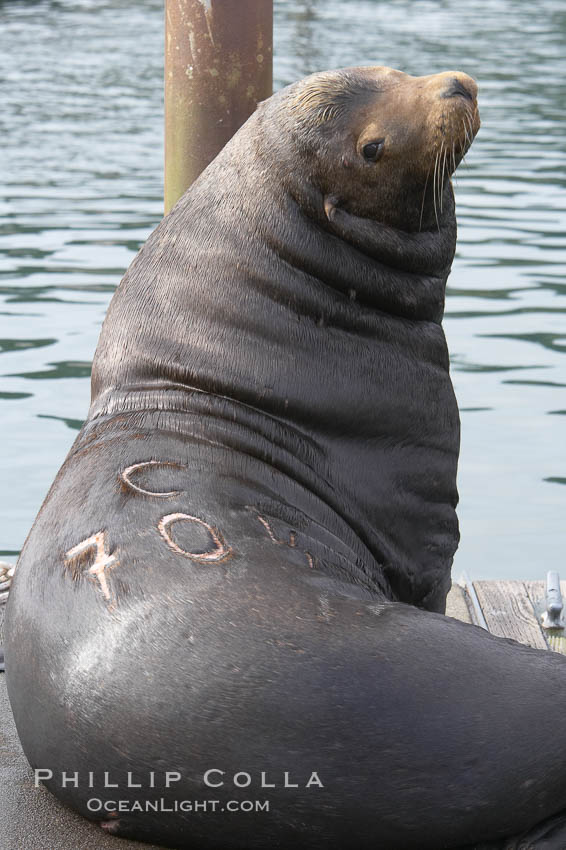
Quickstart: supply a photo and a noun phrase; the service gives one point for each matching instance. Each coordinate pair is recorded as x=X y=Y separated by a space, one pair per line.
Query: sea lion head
x=384 y=142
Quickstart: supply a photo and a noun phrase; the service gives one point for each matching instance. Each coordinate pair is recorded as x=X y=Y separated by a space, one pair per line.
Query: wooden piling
x=218 y=66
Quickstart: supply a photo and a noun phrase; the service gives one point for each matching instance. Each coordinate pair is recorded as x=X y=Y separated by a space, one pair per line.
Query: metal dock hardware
x=553 y=617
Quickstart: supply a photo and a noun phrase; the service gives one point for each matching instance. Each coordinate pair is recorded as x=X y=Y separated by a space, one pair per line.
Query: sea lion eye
x=373 y=150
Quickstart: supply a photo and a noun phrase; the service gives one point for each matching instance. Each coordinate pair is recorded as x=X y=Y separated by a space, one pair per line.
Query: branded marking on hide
x=125 y=477
x=292 y=542
x=103 y=560
x=219 y=553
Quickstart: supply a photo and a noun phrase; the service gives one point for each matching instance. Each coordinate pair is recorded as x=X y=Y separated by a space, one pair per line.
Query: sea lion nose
x=460 y=85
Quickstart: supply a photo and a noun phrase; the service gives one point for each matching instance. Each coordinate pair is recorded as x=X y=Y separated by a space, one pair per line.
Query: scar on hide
x=292 y=542
x=219 y=553
x=102 y=561
x=125 y=477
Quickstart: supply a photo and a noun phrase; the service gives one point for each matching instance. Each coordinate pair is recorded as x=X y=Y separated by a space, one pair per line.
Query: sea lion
x=232 y=596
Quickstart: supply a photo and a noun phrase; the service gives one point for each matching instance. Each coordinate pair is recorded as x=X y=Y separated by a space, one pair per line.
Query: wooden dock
x=509 y=609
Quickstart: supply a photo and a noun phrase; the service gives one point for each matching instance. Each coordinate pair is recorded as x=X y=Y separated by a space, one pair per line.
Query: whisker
x=424 y=196
x=442 y=181
x=438 y=173
x=444 y=170
x=471 y=127
x=434 y=185
x=440 y=177
x=466 y=145
x=434 y=191
x=454 y=166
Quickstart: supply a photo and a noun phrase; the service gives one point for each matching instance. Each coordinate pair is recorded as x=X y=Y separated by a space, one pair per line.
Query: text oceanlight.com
x=187 y=806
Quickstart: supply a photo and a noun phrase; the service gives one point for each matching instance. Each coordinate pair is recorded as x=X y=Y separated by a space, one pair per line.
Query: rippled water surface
x=81 y=168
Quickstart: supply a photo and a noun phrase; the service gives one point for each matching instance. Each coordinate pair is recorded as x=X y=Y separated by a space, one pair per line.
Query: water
x=81 y=164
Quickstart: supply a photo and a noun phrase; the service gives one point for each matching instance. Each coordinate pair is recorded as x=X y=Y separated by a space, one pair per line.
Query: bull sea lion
x=233 y=593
